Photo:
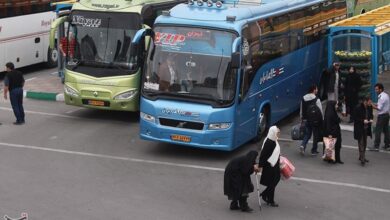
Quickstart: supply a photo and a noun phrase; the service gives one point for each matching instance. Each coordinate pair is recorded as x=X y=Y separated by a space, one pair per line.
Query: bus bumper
x=207 y=139
x=110 y=104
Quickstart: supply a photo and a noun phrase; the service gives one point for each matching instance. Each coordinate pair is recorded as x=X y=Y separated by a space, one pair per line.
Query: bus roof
x=232 y=14
x=117 y=4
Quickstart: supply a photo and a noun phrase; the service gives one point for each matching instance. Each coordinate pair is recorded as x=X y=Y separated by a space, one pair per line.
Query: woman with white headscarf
x=269 y=162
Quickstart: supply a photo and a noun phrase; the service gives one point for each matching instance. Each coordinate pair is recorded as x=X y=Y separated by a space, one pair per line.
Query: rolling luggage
x=298 y=131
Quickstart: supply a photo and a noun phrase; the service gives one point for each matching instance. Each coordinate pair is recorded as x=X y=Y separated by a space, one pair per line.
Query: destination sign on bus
x=179 y=38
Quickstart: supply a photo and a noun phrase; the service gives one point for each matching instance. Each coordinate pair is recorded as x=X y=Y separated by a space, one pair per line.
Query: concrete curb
x=47 y=96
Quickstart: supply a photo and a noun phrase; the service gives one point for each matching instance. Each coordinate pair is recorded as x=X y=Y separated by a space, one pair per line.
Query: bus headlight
x=70 y=91
x=147 y=117
x=126 y=95
x=219 y=126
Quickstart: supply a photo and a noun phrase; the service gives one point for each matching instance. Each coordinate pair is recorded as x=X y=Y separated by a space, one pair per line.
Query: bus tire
x=262 y=124
x=52 y=58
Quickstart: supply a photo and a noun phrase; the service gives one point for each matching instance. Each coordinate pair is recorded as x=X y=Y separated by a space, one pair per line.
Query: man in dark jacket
x=13 y=83
x=237 y=180
x=312 y=124
x=362 y=126
x=333 y=82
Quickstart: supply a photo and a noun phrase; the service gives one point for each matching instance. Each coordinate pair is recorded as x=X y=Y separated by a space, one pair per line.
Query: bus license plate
x=180 y=138
x=95 y=103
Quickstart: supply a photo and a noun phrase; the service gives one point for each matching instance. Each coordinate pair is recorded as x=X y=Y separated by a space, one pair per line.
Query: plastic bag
x=329 y=154
x=286 y=168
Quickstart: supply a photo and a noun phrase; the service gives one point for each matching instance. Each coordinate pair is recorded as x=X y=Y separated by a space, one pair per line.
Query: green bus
x=357 y=7
x=103 y=45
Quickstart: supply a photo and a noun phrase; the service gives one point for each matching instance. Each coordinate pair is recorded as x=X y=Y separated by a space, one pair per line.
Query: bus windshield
x=191 y=63
x=99 y=43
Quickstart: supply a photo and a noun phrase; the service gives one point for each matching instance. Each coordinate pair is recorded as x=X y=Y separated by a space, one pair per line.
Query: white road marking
x=342 y=184
x=21 y=146
x=344 y=146
x=30 y=79
x=109 y=157
x=54 y=73
x=42 y=113
x=72 y=111
x=346 y=127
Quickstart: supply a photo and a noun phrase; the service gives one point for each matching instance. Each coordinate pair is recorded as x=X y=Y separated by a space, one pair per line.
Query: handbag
x=286 y=168
x=329 y=154
x=298 y=131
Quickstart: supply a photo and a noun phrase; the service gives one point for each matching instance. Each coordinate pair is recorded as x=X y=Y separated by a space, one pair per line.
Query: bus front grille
x=181 y=124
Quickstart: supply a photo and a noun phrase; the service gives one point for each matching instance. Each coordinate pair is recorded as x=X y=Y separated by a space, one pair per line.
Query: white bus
x=24 y=33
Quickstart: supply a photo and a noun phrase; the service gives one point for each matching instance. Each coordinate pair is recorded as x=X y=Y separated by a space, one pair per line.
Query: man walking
x=382 y=123
x=312 y=117
x=13 y=83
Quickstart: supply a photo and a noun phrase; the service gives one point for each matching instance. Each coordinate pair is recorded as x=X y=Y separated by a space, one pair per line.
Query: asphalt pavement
x=74 y=163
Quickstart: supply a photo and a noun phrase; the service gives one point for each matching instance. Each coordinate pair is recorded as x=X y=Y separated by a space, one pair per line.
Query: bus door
x=246 y=108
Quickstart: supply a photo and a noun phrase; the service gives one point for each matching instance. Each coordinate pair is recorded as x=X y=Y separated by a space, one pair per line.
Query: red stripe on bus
x=4 y=40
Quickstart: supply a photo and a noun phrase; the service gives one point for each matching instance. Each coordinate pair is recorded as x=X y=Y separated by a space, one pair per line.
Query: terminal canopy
x=378 y=20
x=363 y=42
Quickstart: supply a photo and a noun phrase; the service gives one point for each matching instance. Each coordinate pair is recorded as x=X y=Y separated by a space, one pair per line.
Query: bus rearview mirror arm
x=236 y=59
x=139 y=38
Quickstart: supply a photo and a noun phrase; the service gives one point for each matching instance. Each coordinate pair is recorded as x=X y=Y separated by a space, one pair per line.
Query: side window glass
x=246 y=62
x=312 y=20
x=297 y=22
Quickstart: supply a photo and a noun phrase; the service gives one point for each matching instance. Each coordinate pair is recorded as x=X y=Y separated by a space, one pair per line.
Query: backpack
x=312 y=112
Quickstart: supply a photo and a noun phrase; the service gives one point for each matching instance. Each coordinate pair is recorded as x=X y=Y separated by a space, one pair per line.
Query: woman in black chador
x=352 y=87
x=237 y=180
x=332 y=127
x=269 y=162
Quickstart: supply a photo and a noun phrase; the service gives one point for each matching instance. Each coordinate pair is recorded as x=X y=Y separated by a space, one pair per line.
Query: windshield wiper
x=203 y=96
x=77 y=64
x=155 y=93
x=187 y=94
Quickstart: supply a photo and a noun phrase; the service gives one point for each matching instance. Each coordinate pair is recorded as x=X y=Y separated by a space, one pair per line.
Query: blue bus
x=220 y=73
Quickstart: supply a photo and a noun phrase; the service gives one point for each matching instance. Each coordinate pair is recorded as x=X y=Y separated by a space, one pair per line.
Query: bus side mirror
x=236 y=60
x=53 y=30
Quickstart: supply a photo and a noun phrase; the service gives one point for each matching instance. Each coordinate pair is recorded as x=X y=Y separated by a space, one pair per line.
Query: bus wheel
x=52 y=58
x=262 y=125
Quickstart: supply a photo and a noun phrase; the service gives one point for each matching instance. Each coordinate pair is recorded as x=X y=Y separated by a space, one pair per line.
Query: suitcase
x=298 y=131
x=286 y=168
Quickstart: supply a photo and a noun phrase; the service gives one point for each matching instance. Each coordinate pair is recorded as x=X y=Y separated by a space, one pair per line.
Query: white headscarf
x=272 y=135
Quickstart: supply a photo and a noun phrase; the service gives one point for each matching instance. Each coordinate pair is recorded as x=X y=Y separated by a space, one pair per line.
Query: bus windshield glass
x=99 y=43
x=191 y=63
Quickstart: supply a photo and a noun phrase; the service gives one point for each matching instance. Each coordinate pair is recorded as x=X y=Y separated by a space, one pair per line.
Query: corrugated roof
x=63 y=2
x=378 y=18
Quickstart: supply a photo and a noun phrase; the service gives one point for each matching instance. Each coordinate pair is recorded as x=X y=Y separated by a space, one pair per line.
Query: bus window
x=248 y=48
x=254 y=46
x=23 y=7
x=297 y=22
x=281 y=32
x=313 y=18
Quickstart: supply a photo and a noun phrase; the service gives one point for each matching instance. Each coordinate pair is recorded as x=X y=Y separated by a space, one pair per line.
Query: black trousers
x=382 y=125
x=269 y=194
x=362 y=143
x=337 y=148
